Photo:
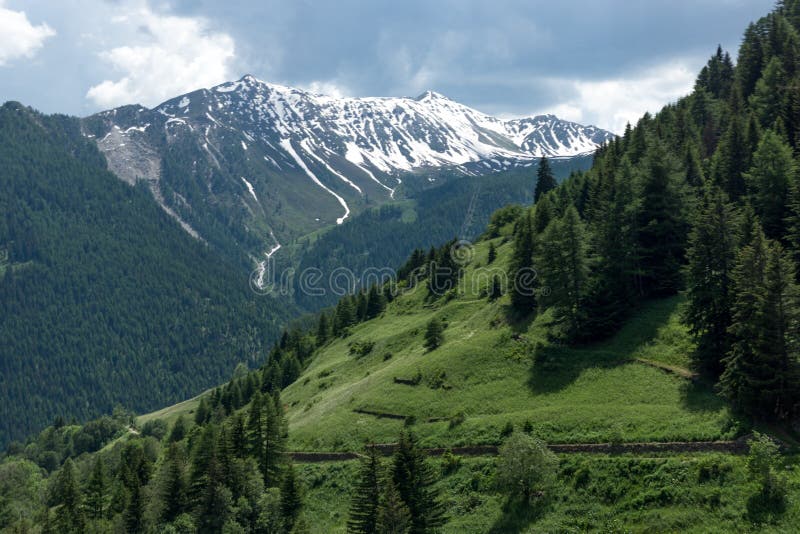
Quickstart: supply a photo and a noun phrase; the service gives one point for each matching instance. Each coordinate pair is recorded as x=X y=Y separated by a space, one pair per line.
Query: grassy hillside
x=489 y=373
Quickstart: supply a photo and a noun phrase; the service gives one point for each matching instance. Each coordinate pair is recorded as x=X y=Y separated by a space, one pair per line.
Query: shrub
x=457 y=419
x=526 y=467
x=359 y=349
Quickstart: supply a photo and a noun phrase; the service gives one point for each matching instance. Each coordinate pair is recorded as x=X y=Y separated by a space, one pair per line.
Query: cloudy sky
x=600 y=62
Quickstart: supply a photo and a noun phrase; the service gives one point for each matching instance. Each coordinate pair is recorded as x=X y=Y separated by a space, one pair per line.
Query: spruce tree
x=545 y=180
x=96 y=491
x=323 y=329
x=434 y=334
x=662 y=228
x=69 y=513
x=394 y=516
x=769 y=180
x=492 y=254
x=563 y=268
x=730 y=160
x=711 y=257
x=414 y=479
x=761 y=370
x=768 y=100
x=524 y=281
x=793 y=223
x=366 y=494
x=133 y=516
x=291 y=502
x=376 y=302
x=173 y=484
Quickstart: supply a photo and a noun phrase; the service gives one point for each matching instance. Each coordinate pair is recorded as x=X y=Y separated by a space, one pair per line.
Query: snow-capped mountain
x=287 y=161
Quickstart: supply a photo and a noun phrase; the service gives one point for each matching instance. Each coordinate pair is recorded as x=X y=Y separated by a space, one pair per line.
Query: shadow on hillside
x=699 y=396
x=518 y=516
x=555 y=367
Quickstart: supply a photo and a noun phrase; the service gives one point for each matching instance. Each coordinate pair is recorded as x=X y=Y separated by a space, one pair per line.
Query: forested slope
x=103 y=298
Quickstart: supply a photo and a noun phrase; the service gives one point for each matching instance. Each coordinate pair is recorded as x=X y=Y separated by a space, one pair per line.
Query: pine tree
x=730 y=160
x=793 y=223
x=434 y=334
x=414 y=479
x=173 y=485
x=761 y=370
x=662 y=228
x=545 y=180
x=69 y=514
x=711 y=257
x=564 y=271
x=492 y=254
x=323 y=329
x=133 y=516
x=768 y=100
x=96 y=489
x=291 y=502
x=612 y=293
x=365 y=498
x=769 y=180
x=178 y=431
x=524 y=282
x=496 y=288
x=376 y=302
x=750 y=62
x=394 y=516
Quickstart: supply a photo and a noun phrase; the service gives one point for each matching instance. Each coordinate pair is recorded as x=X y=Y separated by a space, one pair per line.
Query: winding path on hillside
x=737 y=446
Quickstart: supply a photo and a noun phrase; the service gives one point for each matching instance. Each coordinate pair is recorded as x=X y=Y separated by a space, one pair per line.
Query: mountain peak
x=431 y=95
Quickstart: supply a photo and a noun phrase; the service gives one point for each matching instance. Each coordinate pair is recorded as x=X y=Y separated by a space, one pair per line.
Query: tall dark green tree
x=366 y=495
x=394 y=516
x=761 y=375
x=769 y=181
x=414 y=479
x=662 y=226
x=173 y=484
x=523 y=277
x=711 y=258
x=434 y=334
x=545 y=179
x=291 y=501
x=69 y=512
x=97 y=491
x=564 y=271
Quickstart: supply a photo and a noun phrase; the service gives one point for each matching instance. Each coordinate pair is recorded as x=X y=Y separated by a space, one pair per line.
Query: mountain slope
x=104 y=300
x=249 y=165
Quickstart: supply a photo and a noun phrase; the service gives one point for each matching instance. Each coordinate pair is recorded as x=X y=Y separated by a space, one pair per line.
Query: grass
x=669 y=493
x=495 y=373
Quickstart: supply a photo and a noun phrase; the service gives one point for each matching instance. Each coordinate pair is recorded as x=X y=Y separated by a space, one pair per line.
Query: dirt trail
x=738 y=446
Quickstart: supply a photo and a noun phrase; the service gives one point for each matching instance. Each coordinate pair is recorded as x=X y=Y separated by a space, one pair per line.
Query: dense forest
x=104 y=299
x=703 y=197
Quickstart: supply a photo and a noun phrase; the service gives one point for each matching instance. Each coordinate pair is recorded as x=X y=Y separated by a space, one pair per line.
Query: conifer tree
x=173 y=484
x=178 y=431
x=524 y=282
x=793 y=223
x=730 y=160
x=612 y=292
x=492 y=254
x=323 y=329
x=543 y=213
x=69 y=513
x=376 y=302
x=291 y=502
x=761 y=370
x=768 y=100
x=495 y=288
x=711 y=257
x=662 y=228
x=394 y=516
x=434 y=334
x=414 y=479
x=545 y=181
x=769 y=180
x=750 y=62
x=564 y=271
x=366 y=494
x=96 y=491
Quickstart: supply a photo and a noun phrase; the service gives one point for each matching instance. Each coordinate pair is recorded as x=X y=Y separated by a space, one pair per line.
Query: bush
x=434 y=334
x=359 y=349
x=450 y=463
x=156 y=428
x=526 y=467
x=457 y=419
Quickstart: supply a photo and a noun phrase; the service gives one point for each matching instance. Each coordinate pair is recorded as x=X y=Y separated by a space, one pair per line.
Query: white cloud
x=18 y=37
x=612 y=103
x=326 y=88
x=171 y=55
